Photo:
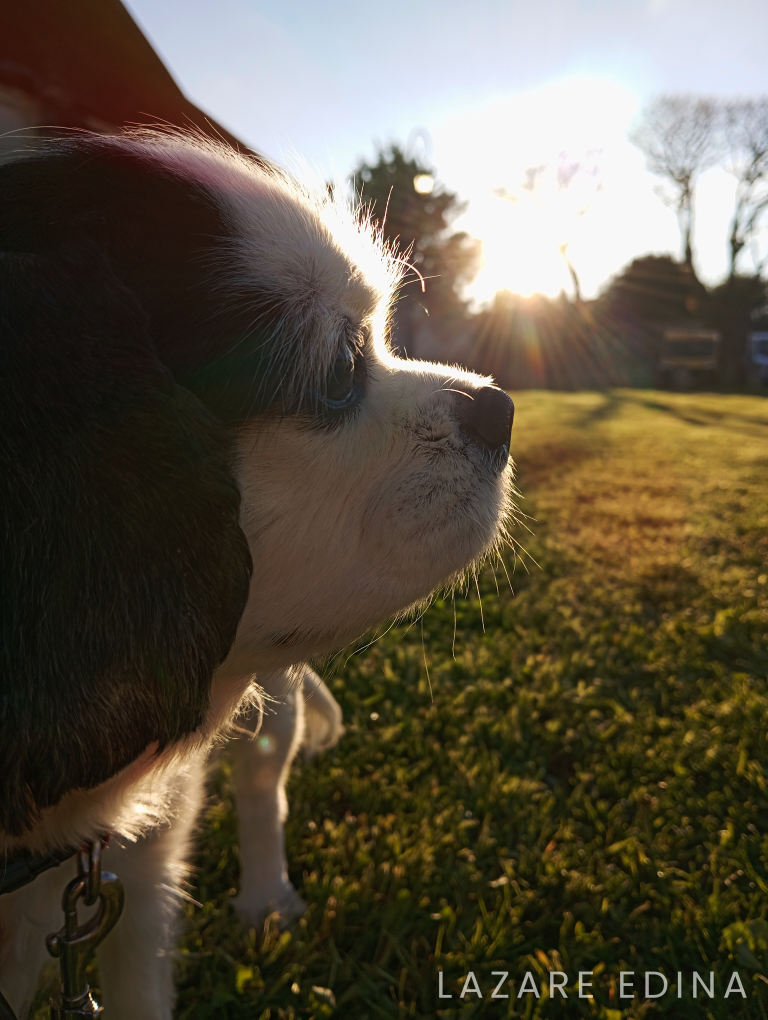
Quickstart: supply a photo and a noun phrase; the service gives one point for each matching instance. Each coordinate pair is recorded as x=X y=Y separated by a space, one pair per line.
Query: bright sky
x=498 y=86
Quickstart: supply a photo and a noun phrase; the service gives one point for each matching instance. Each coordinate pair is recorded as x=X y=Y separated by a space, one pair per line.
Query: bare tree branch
x=745 y=128
x=680 y=137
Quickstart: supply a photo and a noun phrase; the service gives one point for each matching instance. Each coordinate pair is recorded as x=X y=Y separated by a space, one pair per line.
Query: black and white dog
x=211 y=469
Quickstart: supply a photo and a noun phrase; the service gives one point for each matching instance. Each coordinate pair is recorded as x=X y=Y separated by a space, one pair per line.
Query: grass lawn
x=586 y=786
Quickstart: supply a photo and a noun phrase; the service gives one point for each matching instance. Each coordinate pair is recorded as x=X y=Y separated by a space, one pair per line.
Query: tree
x=680 y=137
x=745 y=128
x=653 y=291
x=650 y=294
x=730 y=308
x=414 y=212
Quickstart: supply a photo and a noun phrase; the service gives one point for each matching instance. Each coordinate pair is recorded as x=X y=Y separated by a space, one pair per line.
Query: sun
x=551 y=180
x=529 y=235
x=520 y=251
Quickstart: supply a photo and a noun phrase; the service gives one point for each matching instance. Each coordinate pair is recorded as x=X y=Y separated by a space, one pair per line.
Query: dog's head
x=196 y=387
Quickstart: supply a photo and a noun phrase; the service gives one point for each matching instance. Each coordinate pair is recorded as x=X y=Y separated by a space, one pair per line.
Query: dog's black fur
x=124 y=569
x=161 y=234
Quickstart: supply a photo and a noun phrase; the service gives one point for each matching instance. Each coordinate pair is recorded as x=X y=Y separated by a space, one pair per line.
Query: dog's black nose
x=487 y=414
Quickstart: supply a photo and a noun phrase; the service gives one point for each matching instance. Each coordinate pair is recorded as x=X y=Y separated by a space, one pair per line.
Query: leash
x=74 y=945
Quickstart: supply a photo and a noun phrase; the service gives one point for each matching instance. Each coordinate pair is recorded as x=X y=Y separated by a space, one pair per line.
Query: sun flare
x=568 y=191
x=520 y=252
x=532 y=230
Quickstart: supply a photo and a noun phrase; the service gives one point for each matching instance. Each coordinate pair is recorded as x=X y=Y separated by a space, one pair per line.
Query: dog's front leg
x=136 y=959
x=261 y=767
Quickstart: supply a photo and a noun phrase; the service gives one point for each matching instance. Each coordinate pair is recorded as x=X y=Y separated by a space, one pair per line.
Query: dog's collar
x=20 y=867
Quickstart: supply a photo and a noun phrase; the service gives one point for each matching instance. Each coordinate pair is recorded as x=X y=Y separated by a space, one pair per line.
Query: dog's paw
x=287 y=907
x=323 y=725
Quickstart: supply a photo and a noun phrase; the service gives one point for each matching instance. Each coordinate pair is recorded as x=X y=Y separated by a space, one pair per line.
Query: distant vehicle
x=757 y=358
x=688 y=355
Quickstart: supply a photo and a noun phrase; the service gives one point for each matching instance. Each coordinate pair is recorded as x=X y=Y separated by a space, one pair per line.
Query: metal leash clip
x=75 y=944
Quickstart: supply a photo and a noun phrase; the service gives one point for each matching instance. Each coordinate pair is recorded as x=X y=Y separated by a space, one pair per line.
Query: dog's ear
x=159 y=217
x=124 y=569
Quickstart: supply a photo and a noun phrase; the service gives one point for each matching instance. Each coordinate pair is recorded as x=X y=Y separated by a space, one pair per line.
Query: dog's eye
x=339 y=386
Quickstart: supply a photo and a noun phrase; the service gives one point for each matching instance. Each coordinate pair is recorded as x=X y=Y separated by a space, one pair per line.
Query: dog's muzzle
x=486 y=417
